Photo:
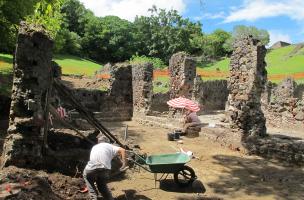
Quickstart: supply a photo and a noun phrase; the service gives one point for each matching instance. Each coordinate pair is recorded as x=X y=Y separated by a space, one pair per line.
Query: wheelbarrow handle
x=138 y=164
x=141 y=158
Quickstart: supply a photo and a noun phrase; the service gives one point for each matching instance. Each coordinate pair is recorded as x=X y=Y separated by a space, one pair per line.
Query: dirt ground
x=225 y=173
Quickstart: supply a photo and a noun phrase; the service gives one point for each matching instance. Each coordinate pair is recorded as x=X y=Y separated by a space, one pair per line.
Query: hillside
x=69 y=65
x=282 y=62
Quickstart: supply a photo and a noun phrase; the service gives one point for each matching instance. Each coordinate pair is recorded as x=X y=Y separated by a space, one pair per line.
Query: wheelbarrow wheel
x=185 y=176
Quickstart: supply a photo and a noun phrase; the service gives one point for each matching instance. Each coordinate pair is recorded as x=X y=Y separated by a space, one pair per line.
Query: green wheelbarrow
x=166 y=164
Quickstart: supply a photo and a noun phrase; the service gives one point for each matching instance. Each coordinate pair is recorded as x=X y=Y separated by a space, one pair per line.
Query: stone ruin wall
x=246 y=82
x=159 y=103
x=114 y=104
x=212 y=95
x=142 y=75
x=284 y=101
x=182 y=72
x=32 y=70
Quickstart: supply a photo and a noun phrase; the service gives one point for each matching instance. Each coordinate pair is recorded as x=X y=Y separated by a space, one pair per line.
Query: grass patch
x=222 y=65
x=69 y=64
x=157 y=63
x=161 y=84
x=6 y=73
x=76 y=65
x=279 y=62
x=6 y=64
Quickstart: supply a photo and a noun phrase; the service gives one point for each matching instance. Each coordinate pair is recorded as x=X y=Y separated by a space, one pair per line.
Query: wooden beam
x=63 y=122
x=66 y=94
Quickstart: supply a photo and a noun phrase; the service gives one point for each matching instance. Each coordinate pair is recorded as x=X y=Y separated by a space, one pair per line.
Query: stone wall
x=32 y=67
x=285 y=101
x=159 y=103
x=299 y=91
x=182 y=71
x=115 y=104
x=280 y=147
x=212 y=94
x=246 y=82
x=142 y=75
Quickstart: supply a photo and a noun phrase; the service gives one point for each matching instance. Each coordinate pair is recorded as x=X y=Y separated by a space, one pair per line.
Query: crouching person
x=192 y=124
x=98 y=168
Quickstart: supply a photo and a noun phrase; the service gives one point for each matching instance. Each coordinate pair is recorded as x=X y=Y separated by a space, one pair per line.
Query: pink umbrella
x=182 y=102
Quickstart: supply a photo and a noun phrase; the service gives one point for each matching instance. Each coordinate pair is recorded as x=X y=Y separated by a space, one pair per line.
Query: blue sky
x=283 y=19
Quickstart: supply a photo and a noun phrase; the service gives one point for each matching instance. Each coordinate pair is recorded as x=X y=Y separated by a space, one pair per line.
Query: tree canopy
x=243 y=31
x=77 y=31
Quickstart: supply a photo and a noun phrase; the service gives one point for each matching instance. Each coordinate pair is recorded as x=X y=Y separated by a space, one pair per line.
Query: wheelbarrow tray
x=167 y=163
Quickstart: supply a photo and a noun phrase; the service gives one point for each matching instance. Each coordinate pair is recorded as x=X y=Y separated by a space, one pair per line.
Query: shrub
x=157 y=63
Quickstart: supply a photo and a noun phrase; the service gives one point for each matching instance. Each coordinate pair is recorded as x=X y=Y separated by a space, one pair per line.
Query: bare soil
x=225 y=173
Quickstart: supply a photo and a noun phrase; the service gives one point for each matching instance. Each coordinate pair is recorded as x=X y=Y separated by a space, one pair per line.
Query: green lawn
x=76 y=65
x=69 y=64
x=6 y=63
x=279 y=61
x=164 y=87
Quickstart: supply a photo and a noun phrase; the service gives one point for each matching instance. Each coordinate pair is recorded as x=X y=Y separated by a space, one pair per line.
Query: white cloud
x=128 y=9
x=276 y=36
x=220 y=15
x=253 y=10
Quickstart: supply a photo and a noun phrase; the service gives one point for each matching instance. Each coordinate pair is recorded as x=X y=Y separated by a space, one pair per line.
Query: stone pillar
x=182 y=73
x=142 y=75
x=120 y=91
x=246 y=82
x=32 y=71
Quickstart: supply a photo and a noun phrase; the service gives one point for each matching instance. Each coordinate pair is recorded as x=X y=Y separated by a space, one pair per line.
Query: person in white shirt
x=98 y=167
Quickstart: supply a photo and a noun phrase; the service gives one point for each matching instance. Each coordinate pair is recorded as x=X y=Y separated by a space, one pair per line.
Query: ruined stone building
x=32 y=78
x=246 y=83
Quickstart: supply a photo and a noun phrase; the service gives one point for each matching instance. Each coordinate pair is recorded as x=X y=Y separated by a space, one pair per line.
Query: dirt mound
x=86 y=82
x=17 y=183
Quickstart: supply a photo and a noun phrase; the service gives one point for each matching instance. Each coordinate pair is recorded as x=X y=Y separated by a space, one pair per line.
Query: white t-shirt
x=101 y=156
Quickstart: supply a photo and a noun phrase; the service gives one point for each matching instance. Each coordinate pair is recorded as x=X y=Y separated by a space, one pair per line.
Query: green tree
x=243 y=31
x=109 y=39
x=214 y=44
x=47 y=13
x=11 y=13
x=67 y=42
x=164 y=33
x=76 y=16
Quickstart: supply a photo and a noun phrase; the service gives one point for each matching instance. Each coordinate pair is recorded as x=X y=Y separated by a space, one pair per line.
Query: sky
x=283 y=19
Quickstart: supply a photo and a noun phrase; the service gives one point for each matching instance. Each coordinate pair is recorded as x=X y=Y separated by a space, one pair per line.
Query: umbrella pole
x=181 y=120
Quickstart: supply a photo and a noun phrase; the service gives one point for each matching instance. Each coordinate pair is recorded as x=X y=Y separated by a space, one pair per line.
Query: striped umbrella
x=182 y=102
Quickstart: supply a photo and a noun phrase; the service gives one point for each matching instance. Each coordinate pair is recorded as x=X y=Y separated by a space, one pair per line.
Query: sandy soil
x=226 y=174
